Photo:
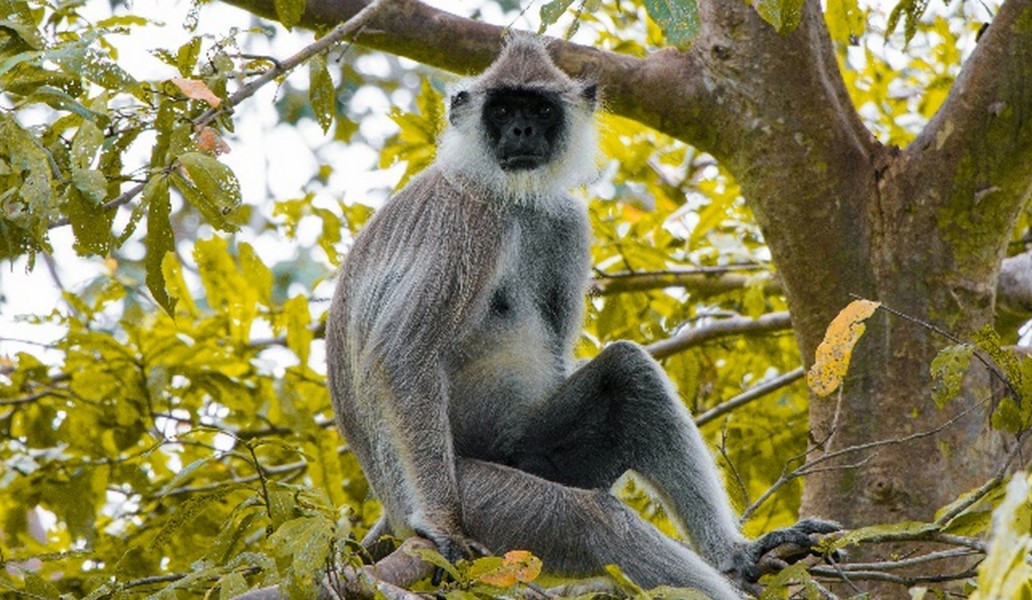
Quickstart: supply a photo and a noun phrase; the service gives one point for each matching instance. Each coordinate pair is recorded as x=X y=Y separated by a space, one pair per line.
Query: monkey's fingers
x=770 y=564
x=805 y=534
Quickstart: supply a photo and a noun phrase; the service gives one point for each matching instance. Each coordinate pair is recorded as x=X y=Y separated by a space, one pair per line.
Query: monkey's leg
x=620 y=412
x=576 y=531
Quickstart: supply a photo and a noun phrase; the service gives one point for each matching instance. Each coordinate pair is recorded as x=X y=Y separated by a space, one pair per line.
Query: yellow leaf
x=198 y=90
x=833 y=355
x=518 y=566
x=500 y=578
x=526 y=566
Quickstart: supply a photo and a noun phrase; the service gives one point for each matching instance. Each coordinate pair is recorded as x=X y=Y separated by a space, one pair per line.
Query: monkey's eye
x=500 y=112
x=545 y=111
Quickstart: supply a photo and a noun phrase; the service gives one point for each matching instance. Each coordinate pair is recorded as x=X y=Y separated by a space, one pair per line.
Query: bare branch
x=750 y=395
x=813 y=465
x=702 y=282
x=904 y=580
x=779 y=321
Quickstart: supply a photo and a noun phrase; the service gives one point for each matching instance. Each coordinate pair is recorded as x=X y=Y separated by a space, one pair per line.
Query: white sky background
x=273 y=160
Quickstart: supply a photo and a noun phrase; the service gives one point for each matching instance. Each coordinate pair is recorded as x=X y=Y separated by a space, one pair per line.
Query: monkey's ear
x=590 y=93
x=457 y=100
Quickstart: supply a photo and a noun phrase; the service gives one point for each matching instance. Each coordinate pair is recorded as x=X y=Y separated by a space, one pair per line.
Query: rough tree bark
x=922 y=229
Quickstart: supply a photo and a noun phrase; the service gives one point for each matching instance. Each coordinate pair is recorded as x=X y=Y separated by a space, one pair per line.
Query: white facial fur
x=464 y=148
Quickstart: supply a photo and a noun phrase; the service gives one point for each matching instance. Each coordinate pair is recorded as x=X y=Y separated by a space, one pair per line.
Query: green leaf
x=91 y=221
x=232 y=585
x=845 y=20
x=303 y=545
x=37 y=587
x=679 y=20
x=299 y=335
x=289 y=12
x=551 y=11
x=433 y=557
x=1008 y=416
x=321 y=93
x=793 y=575
x=281 y=507
x=910 y=11
x=1006 y=572
x=184 y=474
x=624 y=582
x=212 y=188
x=258 y=276
x=17 y=19
x=187 y=55
x=172 y=272
x=947 y=370
x=416 y=142
x=160 y=239
x=784 y=15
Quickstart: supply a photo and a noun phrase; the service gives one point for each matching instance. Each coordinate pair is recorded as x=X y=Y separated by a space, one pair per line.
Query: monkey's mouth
x=521 y=162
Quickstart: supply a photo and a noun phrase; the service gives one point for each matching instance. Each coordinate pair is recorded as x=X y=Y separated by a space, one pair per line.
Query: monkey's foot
x=453 y=547
x=776 y=550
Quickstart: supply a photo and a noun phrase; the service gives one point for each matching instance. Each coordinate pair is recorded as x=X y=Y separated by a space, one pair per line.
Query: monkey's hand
x=776 y=550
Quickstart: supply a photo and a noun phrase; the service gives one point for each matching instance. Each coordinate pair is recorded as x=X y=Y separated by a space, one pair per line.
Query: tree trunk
x=922 y=230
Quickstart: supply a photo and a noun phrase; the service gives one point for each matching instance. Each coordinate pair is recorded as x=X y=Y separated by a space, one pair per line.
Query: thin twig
x=977 y=495
x=811 y=465
x=909 y=562
x=754 y=393
x=978 y=353
x=909 y=581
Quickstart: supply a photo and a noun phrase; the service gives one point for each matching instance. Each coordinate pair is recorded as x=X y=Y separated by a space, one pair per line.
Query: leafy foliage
x=679 y=20
x=783 y=15
x=1006 y=572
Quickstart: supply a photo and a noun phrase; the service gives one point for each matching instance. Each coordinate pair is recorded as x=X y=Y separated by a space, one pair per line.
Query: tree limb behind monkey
x=450 y=359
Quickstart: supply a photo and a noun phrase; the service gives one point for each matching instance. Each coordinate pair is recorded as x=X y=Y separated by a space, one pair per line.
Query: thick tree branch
x=981 y=138
x=1014 y=294
x=663 y=91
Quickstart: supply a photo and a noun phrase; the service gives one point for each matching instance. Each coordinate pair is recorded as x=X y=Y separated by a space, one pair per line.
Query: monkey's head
x=523 y=128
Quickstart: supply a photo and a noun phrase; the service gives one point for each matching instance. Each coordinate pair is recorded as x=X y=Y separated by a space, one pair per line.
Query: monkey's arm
x=410 y=285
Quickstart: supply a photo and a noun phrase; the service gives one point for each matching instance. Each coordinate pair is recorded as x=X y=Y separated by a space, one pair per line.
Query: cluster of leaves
x=168 y=446
x=70 y=170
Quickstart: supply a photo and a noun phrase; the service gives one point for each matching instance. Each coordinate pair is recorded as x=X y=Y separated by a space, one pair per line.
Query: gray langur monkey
x=450 y=359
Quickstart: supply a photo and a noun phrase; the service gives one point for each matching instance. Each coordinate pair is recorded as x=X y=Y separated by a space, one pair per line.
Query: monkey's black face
x=524 y=127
